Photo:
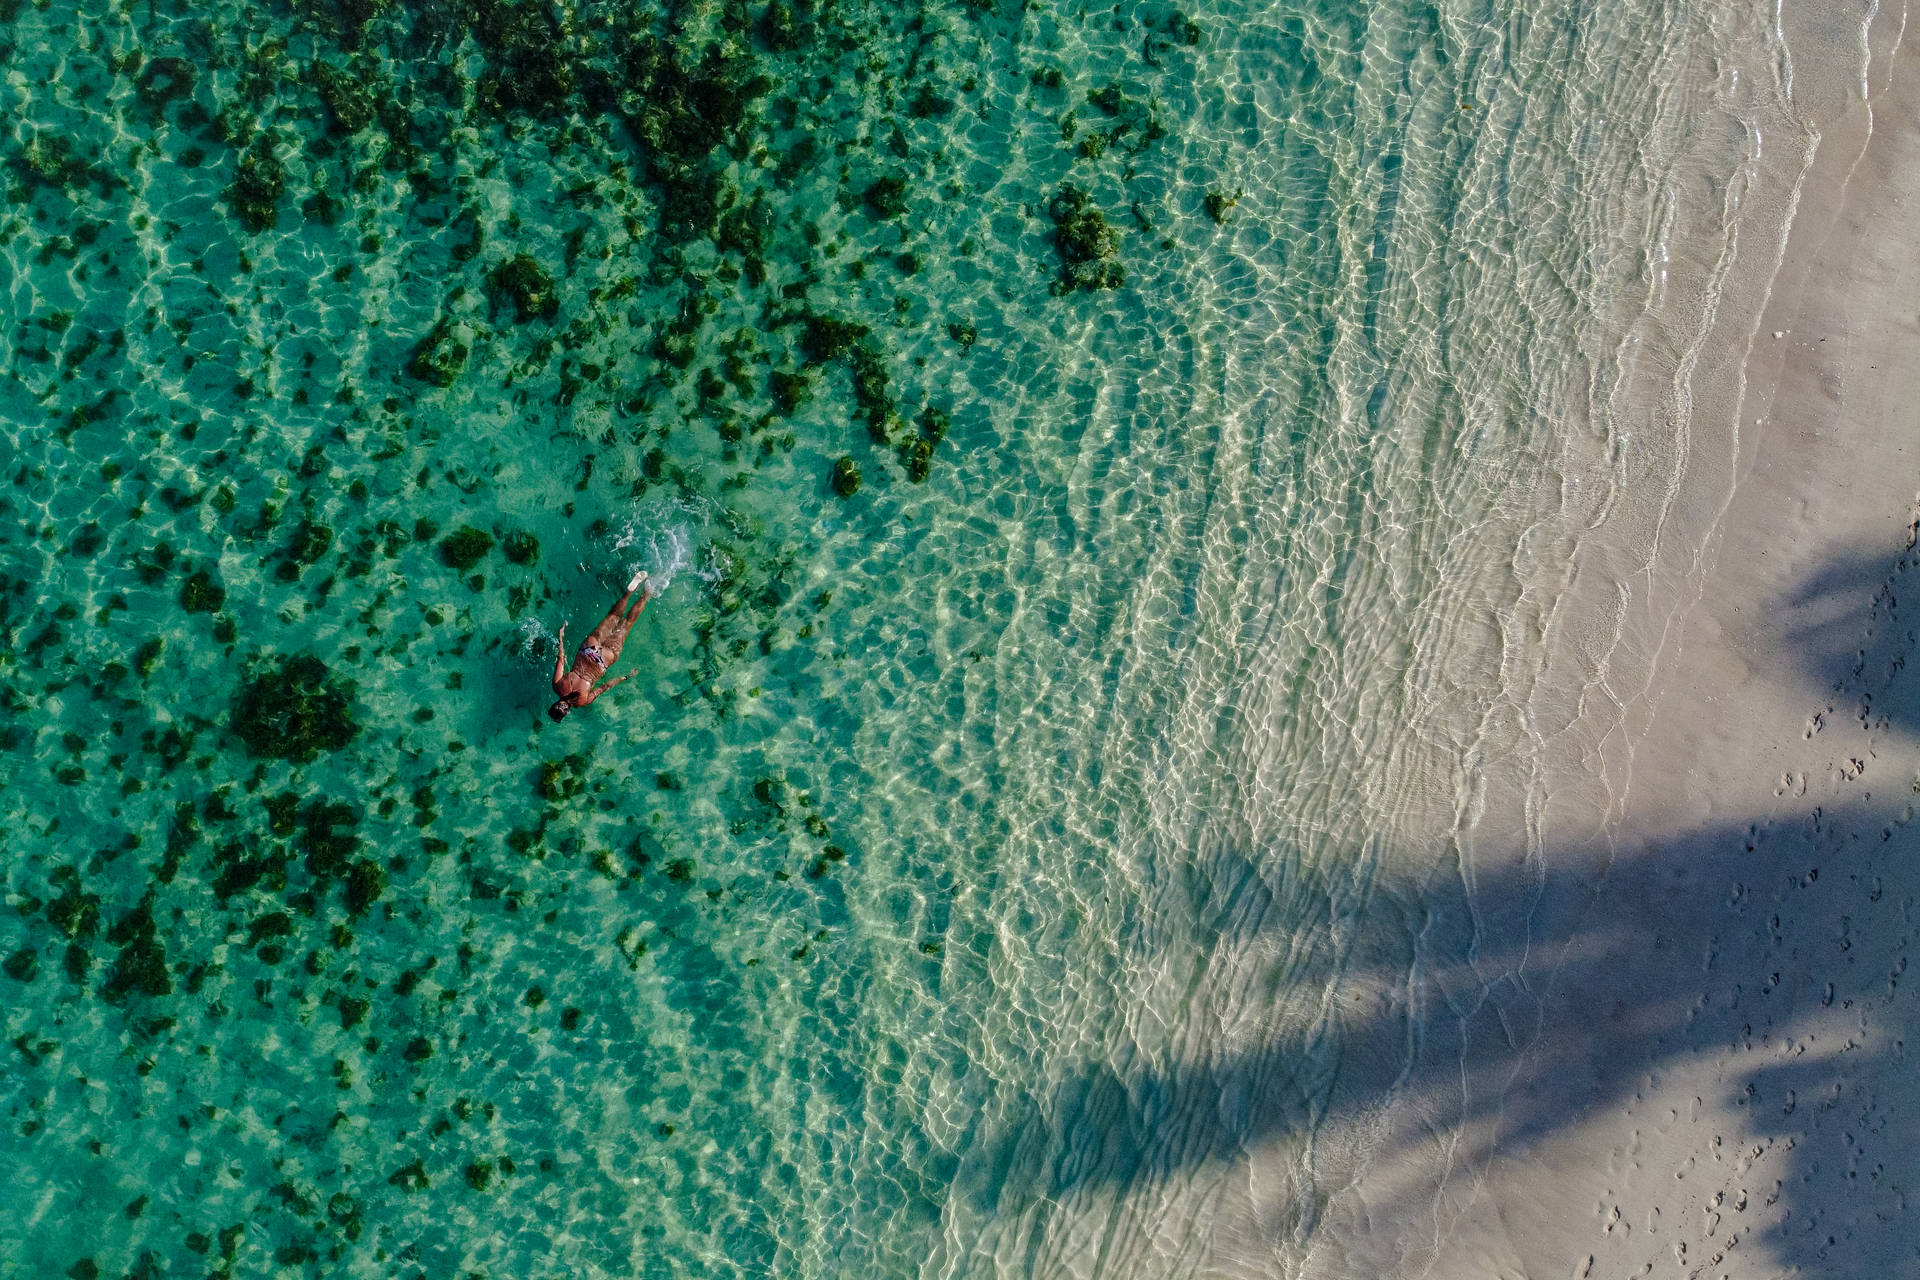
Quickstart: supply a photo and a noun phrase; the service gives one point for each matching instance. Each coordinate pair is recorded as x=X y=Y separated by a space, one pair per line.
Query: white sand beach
x=1693 y=1062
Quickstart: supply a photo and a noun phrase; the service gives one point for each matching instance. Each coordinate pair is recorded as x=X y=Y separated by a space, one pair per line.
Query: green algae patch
x=142 y=963
x=916 y=451
x=327 y=838
x=162 y=82
x=521 y=547
x=887 y=198
x=872 y=390
x=916 y=459
x=824 y=338
x=465 y=547
x=50 y=159
x=1220 y=205
x=522 y=279
x=410 y=1177
x=311 y=540
x=74 y=912
x=258 y=183
x=846 y=477
x=439 y=357
x=366 y=883
x=348 y=101
x=147 y=657
x=294 y=708
x=1089 y=247
x=202 y=593
x=790 y=390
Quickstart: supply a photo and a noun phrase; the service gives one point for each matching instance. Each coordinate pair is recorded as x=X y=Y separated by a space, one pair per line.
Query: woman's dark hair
x=558 y=711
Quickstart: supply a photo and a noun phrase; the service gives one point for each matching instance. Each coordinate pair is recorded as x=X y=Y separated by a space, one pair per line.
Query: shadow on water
x=1468 y=1025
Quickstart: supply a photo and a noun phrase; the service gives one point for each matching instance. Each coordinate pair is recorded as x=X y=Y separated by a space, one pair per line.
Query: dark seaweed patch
x=465 y=547
x=526 y=283
x=258 y=183
x=293 y=708
x=846 y=477
x=521 y=547
x=439 y=357
x=202 y=593
x=141 y=965
x=1089 y=248
x=346 y=96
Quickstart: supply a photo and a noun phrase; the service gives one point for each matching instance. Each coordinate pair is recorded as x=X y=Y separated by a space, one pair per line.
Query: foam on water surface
x=1011 y=863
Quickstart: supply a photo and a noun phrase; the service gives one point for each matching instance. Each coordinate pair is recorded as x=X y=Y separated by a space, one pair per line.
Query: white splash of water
x=661 y=538
x=533 y=641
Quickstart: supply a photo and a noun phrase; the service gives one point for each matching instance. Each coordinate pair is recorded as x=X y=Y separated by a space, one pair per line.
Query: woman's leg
x=616 y=617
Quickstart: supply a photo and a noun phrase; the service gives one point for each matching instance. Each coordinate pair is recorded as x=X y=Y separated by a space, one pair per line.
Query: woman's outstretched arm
x=594 y=693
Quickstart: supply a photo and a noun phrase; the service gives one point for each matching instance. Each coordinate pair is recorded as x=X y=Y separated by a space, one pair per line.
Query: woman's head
x=558 y=711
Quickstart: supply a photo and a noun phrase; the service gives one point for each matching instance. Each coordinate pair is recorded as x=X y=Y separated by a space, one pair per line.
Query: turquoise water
x=901 y=913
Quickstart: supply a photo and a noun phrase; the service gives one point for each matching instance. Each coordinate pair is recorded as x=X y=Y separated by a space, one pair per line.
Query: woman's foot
x=639 y=580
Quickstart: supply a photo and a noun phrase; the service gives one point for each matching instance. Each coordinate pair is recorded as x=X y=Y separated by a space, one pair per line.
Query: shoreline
x=1713 y=1091
x=1656 y=1026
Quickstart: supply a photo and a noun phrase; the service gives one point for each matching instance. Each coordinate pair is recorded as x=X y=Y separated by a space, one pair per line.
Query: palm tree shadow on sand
x=1468 y=1035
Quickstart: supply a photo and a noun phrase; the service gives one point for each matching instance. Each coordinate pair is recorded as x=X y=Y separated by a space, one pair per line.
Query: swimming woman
x=575 y=684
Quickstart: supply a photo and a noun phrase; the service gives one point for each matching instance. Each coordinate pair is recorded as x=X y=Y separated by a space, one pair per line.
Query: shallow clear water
x=968 y=880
